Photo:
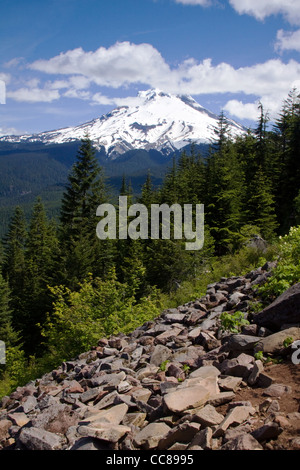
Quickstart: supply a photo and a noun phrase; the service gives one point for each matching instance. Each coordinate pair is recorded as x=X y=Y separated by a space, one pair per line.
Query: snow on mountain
x=159 y=121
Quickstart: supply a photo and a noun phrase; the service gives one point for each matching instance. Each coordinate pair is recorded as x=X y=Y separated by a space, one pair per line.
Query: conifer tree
x=287 y=131
x=7 y=333
x=148 y=194
x=225 y=189
x=82 y=251
x=260 y=207
x=41 y=248
x=14 y=268
x=14 y=250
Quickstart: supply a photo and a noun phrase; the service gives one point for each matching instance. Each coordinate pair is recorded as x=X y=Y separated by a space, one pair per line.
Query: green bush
x=287 y=271
x=99 y=308
x=233 y=322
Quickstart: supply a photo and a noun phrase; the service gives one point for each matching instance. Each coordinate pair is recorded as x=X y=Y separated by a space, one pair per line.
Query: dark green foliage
x=40 y=251
x=86 y=190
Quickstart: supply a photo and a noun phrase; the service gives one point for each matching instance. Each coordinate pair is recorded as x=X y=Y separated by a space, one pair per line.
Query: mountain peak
x=159 y=121
x=152 y=93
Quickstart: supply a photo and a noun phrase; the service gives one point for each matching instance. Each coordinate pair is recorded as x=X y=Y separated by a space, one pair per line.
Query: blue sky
x=65 y=62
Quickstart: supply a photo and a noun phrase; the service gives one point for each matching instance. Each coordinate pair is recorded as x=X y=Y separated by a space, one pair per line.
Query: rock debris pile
x=171 y=384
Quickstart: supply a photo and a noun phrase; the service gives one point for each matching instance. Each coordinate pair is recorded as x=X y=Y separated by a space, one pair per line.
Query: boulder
x=202 y=440
x=190 y=397
x=182 y=433
x=39 y=439
x=149 y=436
x=242 y=442
x=267 y=432
x=208 y=416
x=104 y=431
x=160 y=354
x=242 y=343
x=236 y=415
x=284 y=310
x=273 y=344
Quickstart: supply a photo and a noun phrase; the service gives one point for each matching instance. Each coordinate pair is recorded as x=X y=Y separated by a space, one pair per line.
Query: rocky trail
x=179 y=382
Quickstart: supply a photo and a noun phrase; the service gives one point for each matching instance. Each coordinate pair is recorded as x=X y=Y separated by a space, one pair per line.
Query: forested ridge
x=61 y=288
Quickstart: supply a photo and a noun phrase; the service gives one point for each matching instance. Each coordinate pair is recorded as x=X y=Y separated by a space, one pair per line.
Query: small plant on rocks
x=233 y=322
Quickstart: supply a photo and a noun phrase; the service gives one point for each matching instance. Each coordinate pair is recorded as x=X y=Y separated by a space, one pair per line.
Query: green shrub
x=287 y=271
x=233 y=322
x=99 y=308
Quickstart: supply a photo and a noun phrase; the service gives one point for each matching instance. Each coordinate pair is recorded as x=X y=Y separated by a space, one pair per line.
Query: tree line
x=248 y=185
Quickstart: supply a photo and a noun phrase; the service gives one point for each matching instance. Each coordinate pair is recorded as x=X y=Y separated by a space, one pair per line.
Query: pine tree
x=222 y=134
x=148 y=194
x=7 y=333
x=224 y=193
x=287 y=132
x=41 y=248
x=84 y=192
x=14 y=268
x=83 y=252
x=168 y=193
x=260 y=207
x=14 y=249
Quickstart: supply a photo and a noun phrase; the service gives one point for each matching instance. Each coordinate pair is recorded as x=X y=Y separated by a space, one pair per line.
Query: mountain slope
x=158 y=121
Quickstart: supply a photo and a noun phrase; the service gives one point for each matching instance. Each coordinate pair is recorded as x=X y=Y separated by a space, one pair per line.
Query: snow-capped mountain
x=158 y=121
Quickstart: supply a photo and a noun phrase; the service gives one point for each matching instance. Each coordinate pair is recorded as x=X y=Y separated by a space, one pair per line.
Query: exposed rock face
x=283 y=311
x=170 y=384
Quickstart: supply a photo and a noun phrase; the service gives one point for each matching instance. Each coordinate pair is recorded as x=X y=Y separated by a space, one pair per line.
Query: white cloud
x=125 y=64
x=120 y=64
x=288 y=40
x=260 y=9
x=15 y=62
x=203 y=3
x=79 y=94
x=98 y=98
x=33 y=95
x=5 y=77
x=242 y=110
x=8 y=131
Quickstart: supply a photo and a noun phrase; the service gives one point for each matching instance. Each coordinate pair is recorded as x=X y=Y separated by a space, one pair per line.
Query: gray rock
x=174 y=317
x=202 y=440
x=104 y=431
x=182 y=433
x=113 y=415
x=273 y=344
x=191 y=397
x=236 y=415
x=240 y=366
x=255 y=373
x=29 y=404
x=242 y=442
x=267 y=432
x=208 y=416
x=277 y=390
x=241 y=342
x=88 y=443
x=150 y=436
x=39 y=439
x=204 y=372
x=160 y=354
x=89 y=395
x=285 y=309
x=111 y=380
